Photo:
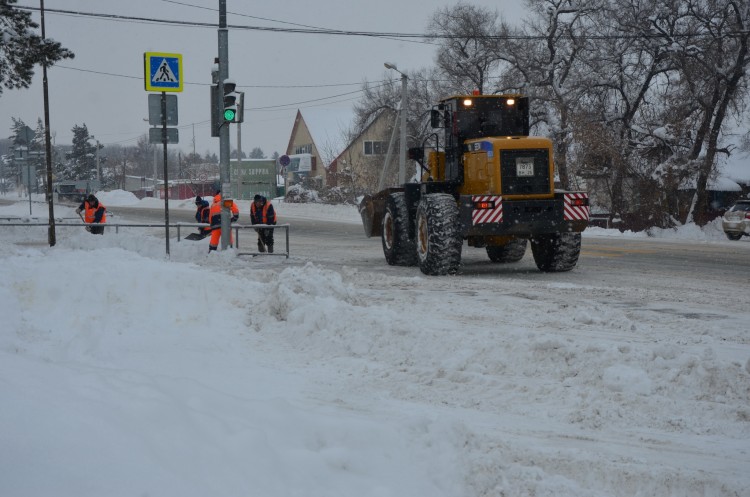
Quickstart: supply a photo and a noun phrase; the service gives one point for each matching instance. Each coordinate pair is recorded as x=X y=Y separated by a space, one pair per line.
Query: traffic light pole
x=224 y=129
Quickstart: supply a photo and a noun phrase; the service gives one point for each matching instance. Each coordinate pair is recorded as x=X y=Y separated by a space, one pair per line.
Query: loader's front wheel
x=398 y=244
x=512 y=251
x=556 y=252
x=438 y=234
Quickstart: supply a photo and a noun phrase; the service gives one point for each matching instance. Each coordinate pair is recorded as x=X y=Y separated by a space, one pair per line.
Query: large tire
x=734 y=236
x=398 y=244
x=512 y=251
x=556 y=252
x=438 y=234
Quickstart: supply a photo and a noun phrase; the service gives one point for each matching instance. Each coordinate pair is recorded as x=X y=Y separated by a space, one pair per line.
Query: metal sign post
x=28 y=181
x=163 y=72
x=166 y=177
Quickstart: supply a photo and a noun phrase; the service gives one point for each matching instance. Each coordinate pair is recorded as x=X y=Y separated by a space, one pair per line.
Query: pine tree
x=257 y=153
x=81 y=164
x=21 y=49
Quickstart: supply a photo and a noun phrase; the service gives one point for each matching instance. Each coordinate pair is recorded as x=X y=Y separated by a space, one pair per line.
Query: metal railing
x=178 y=226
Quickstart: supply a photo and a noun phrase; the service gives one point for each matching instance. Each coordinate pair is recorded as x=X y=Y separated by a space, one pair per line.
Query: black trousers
x=265 y=236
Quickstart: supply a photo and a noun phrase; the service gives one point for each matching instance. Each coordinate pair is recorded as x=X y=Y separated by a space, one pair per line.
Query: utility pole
x=224 y=129
x=51 y=238
x=402 y=139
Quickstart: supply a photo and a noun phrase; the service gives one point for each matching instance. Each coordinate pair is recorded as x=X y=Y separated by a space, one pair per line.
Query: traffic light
x=230 y=102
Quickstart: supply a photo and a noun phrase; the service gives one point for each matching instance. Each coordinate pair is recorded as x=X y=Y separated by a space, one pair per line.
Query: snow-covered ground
x=124 y=372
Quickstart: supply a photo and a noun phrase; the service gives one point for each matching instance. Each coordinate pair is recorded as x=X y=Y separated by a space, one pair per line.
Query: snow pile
x=117 y=197
x=127 y=373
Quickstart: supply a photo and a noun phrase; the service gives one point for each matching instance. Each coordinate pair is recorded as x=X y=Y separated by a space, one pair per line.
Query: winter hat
x=257 y=198
x=198 y=200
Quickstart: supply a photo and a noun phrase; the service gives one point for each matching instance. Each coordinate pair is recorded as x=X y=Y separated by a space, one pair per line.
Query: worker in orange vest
x=215 y=220
x=94 y=212
x=262 y=212
x=202 y=209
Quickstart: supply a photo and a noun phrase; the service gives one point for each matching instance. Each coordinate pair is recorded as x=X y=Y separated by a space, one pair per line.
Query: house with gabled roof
x=360 y=164
x=321 y=134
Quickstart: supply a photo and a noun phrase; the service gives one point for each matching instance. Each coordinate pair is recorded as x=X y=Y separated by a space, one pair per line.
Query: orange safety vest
x=90 y=213
x=214 y=214
x=263 y=214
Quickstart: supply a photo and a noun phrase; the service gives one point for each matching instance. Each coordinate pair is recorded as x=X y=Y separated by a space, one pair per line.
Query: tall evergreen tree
x=21 y=49
x=257 y=153
x=81 y=164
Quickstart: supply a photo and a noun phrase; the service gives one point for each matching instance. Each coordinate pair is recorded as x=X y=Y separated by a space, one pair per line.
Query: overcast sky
x=103 y=86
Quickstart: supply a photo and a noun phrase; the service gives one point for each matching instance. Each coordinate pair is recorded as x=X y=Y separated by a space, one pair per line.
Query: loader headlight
x=511 y=102
x=468 y=102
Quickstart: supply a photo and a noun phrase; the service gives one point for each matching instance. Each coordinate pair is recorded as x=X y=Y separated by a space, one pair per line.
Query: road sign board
x=155 y=135
x=154 y=109
x=162 y=71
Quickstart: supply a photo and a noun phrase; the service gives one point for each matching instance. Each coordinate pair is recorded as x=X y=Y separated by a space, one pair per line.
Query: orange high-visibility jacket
x=94 y=213
x=215 y=213
x=265 y=217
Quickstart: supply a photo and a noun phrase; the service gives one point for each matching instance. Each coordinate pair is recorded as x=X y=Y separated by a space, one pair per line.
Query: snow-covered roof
x=736 y=166
x=720 y=184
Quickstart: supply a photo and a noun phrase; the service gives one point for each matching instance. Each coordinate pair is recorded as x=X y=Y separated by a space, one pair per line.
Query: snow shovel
x=198 y=236
x=88 y=228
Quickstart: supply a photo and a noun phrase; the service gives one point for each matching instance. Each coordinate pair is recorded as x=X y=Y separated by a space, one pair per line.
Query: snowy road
x=631 y=369
x=334 y=374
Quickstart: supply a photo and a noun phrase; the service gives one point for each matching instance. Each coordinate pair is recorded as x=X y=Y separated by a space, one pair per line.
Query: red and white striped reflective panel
x=481 y=216
x=573 y=212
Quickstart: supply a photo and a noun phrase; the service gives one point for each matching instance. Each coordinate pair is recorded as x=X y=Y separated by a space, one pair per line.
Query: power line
x=209 y=84
x=339 y=32
x=312 y=100
x=185 y=4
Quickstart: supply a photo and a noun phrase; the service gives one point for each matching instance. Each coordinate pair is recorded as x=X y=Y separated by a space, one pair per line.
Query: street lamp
x=98 y=173
x=402 y=139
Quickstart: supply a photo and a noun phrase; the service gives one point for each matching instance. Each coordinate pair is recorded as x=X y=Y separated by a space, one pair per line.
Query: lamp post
x=98 y=173
x=402 y=139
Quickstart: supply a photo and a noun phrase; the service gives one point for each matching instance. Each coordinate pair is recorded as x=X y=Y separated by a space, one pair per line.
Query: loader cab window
x=484 y=117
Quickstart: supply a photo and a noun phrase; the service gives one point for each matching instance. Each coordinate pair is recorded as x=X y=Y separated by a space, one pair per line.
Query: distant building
x=360 y=164
x=249 y=177
x=318 y=134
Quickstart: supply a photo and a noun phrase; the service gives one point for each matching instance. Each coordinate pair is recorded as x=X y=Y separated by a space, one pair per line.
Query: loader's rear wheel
x=438 y=235
x=512 y=251
x=556 y=252
x=398 y=244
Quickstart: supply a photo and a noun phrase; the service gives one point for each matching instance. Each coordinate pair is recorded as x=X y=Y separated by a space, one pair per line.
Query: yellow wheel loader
x=487 y=182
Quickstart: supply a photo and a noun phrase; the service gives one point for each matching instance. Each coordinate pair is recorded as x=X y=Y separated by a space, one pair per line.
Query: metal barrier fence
x=179 y=226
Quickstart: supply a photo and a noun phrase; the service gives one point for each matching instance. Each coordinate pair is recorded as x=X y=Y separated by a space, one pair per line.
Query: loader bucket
x=371 y=209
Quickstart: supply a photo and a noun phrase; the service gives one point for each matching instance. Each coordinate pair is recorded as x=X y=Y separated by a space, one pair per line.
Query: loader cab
x=468 y=117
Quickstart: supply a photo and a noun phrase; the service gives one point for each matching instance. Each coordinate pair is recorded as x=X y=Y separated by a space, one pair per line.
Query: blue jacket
x=201 y=213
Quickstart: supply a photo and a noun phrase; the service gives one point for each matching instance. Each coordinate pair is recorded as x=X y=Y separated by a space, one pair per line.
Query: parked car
x=736 y=221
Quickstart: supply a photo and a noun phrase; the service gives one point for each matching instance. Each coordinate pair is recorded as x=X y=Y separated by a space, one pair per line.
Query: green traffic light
x=229 y=114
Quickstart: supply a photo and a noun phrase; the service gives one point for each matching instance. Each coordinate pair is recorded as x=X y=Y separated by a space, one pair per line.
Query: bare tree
x=714 y=64
x=620 y=131
x=466 y=55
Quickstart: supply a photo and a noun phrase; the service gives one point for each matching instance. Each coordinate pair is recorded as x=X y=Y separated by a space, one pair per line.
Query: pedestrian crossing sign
x=162 y=71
